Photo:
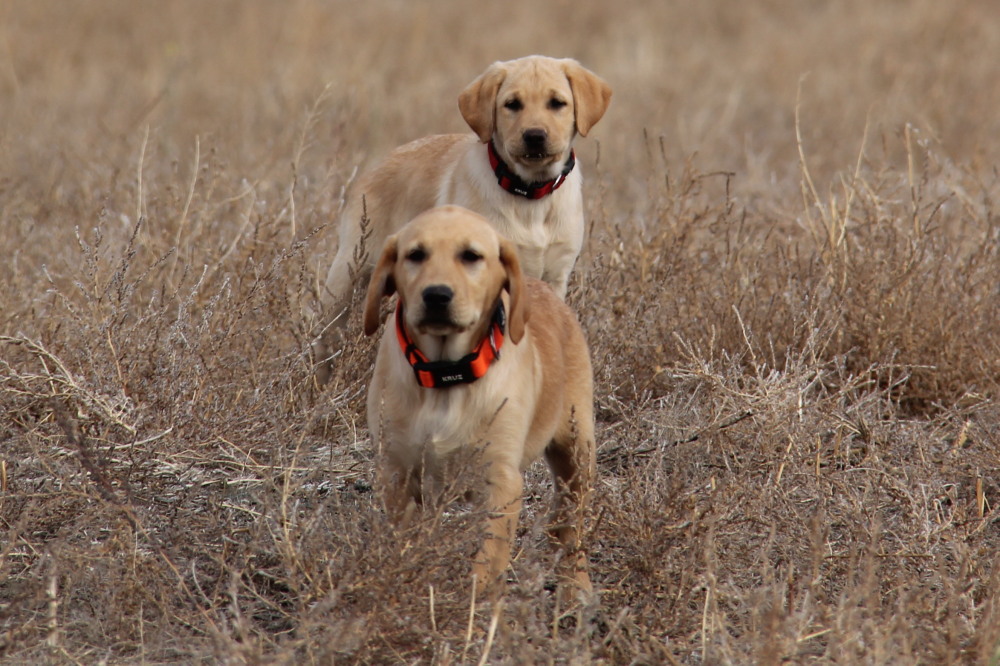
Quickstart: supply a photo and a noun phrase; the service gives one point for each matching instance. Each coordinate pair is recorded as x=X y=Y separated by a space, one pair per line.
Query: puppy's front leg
x=402 y=494
x=559 y=261
x=504 y=490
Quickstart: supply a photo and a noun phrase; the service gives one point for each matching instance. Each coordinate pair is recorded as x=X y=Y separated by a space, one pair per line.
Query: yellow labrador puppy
x=524 y=180
x=479 y=358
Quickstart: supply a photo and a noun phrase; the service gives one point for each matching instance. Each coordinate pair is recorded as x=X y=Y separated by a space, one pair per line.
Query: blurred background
x=82 y=81
x=789 y=286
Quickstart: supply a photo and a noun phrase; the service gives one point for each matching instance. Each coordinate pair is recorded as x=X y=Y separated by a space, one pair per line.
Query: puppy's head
x=449 y=267
x=532 y=108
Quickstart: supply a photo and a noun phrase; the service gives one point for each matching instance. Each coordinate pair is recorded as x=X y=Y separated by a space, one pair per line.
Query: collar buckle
x=493 y=343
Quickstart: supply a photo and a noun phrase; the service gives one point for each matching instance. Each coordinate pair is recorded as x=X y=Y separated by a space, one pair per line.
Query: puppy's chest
x=446 y=421
x=534 y=228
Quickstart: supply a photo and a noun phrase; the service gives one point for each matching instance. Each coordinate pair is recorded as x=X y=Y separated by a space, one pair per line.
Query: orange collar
x=444 y=374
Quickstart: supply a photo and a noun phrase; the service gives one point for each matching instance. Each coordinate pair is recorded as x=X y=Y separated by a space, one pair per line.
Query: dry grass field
x=791 y=288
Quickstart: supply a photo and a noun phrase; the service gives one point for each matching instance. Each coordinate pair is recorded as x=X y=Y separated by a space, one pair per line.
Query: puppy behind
x=524 y=180
x=478 y=355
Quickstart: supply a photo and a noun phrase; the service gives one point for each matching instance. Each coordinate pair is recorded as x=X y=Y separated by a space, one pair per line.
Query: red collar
x=444 y=374
x=511 y=182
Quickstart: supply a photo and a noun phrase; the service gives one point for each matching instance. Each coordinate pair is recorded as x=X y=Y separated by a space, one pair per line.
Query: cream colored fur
x=559 y=98
x=535 y=400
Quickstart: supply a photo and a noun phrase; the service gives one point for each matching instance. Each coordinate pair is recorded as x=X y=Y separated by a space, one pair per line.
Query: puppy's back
x=560 y=340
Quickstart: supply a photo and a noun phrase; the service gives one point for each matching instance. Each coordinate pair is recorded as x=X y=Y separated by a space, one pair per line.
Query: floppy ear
x=478 y=101
x=381 y=285
x=518 y=314
x=591 y=95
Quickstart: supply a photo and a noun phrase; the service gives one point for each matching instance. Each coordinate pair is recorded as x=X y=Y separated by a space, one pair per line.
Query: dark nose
x=535 y=137
x=438 y=296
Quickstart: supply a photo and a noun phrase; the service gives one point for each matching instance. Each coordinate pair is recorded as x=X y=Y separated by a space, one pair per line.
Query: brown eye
x=470 y=256
x=555 y=104
x=417 y=255
x=513 y=105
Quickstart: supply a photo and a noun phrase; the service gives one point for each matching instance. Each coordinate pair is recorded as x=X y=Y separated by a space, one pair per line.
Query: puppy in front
x=517 y=169
x=478 y=355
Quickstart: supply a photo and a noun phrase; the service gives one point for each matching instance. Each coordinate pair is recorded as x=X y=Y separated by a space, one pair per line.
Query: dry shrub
x=895 y=272
x=792 y=320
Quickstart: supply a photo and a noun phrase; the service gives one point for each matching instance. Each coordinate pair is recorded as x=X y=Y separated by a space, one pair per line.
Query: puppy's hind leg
x=336 y=301
x=571 y=457
x=350 y=267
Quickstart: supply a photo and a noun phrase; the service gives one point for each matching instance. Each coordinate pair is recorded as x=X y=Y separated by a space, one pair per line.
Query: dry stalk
x=433 y=614
x=980 y=497
x=140 y=198
x=301 y=146
x=781 y=467
x=472 y=619
x=491 y=632
x=195 y=170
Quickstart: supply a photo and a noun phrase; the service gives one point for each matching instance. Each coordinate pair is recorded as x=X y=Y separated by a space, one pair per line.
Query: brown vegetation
x=790 y=286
